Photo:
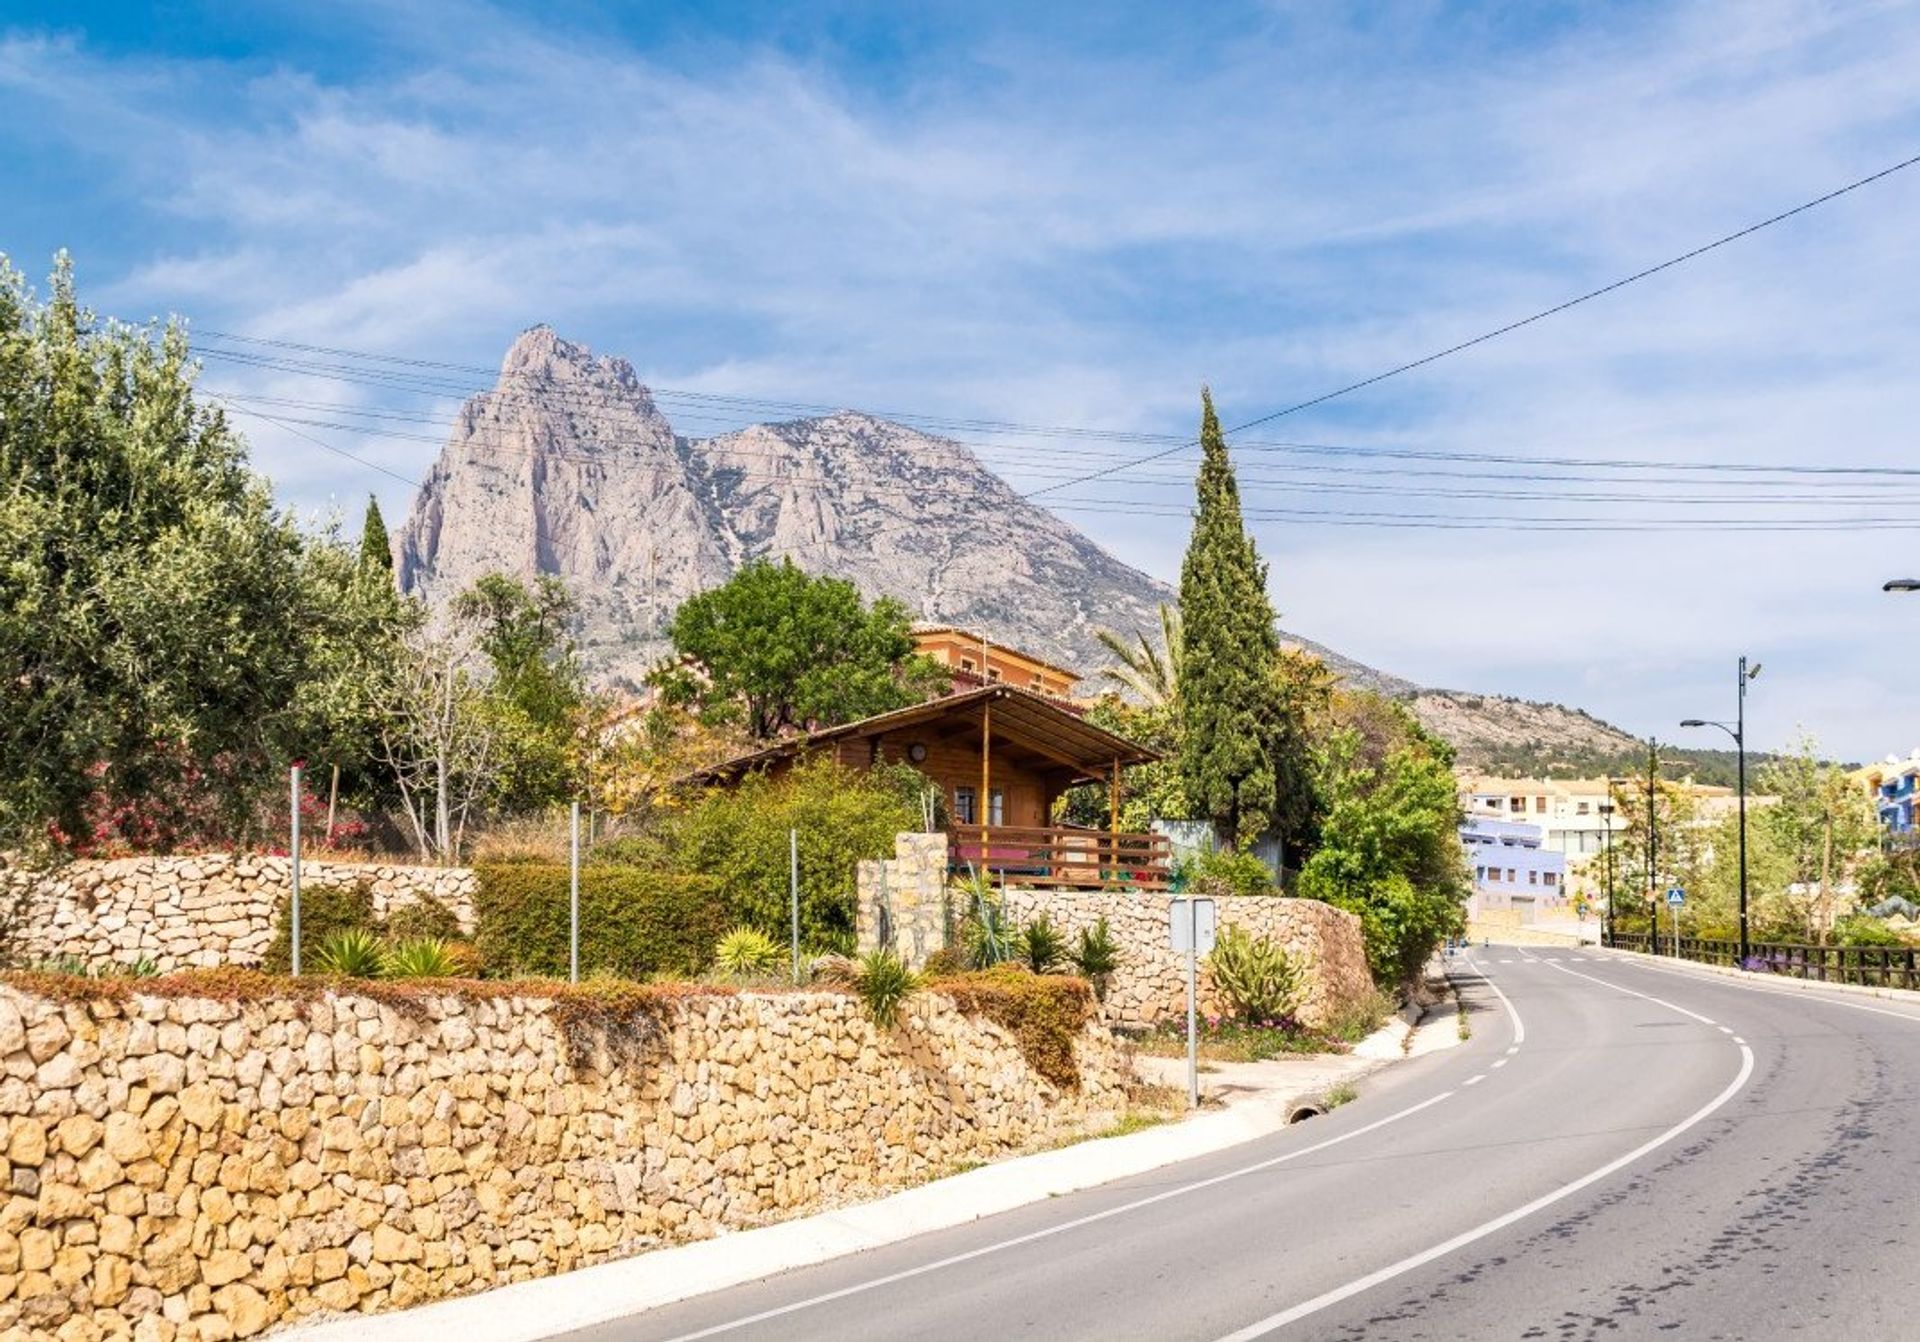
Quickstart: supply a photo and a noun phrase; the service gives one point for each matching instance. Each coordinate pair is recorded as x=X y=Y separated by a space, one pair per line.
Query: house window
x=1518 y=805
x=1549 y=879
x=996 y=807
x=1539 y=804
x=963 y=806
x=993 y=673
x=1580 y=808
x=1510 y=877
x=966 y=663
x=1533 y=878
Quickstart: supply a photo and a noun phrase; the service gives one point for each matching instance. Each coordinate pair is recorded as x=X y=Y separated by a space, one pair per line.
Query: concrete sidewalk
x=1255 y=1099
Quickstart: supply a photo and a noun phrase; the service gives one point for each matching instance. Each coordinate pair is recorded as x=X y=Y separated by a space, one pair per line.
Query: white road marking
x=1738 y=1040
x=1726 y=1029
x=1500 y=1062
x=1513 y=1050
x=1474 y=1080
x=1441 y=1250
x=1050 y=1231
x=1803 y=993
x=1506 y=962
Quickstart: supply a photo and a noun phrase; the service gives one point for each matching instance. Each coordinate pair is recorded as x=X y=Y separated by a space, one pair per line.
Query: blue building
x=1894 y=785
x=1511 y=870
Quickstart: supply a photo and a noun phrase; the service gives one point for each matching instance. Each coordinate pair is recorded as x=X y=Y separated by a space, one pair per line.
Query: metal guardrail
x=1870 y=966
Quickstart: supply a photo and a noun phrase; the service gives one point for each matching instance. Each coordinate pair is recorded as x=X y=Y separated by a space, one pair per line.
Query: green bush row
x=634 y=923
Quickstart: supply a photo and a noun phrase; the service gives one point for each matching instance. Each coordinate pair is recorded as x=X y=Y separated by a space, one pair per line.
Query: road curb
x=1777 y=981
x=547 y=1307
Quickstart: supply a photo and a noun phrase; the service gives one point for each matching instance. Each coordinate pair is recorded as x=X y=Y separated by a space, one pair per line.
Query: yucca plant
x=422 y=958
x=746 y=953
x=884 y=983
x=1256 y=976
x=1096 y=955
x=352 y=953
x=1040 y=946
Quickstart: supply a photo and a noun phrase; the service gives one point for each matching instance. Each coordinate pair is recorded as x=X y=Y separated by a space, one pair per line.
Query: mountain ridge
x=568 y=467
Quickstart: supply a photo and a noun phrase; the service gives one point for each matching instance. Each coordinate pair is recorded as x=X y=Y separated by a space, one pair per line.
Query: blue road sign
x=1676 y=897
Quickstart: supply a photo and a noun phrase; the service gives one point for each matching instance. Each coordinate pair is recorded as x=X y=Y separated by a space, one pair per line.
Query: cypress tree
x=376 y=551
x=1229 y=704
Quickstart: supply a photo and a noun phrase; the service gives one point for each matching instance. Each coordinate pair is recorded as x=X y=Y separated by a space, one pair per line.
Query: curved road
x=1620 y=1151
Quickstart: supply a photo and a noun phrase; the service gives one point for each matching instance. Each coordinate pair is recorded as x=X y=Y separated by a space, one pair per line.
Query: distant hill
x=567 y=467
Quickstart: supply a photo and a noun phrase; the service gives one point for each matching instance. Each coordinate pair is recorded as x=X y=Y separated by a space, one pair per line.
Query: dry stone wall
x=193 y=911
x=182 y=1168
x=1150 y=985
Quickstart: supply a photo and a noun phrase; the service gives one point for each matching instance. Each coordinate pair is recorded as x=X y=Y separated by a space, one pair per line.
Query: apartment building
x=1512 y=869
x=1893 y=784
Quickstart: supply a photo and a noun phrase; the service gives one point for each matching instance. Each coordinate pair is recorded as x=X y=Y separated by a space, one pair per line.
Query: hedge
x=324 y=911
x=633 y=922
x=1043 y=1012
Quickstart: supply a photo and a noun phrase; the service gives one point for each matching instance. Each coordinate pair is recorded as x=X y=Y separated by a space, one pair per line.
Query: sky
x=1078 y=218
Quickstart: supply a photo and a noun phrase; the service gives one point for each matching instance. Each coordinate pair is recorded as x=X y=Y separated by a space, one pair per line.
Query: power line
x=1512 y=326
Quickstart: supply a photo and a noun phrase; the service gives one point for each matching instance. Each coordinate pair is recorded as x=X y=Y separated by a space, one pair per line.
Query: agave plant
x=1096 y=955
x=746 y=953
x=351 y=953
x=884 y=983
x=1040 y=946
x=422 y=958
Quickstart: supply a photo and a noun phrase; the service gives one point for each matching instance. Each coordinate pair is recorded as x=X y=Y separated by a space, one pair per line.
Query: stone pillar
x=902 y=903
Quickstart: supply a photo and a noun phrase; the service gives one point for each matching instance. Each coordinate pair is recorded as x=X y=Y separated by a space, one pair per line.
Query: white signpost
x=1675 y=898
x=1191 y=925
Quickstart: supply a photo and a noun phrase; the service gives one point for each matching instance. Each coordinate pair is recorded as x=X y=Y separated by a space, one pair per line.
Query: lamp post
x=1606 y=863
x=1738 y=731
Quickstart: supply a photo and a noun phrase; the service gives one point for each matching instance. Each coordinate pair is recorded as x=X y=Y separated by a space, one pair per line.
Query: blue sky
x=1077 y=218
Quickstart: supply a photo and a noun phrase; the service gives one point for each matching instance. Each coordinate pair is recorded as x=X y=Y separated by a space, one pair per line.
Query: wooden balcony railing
x=1063 y=856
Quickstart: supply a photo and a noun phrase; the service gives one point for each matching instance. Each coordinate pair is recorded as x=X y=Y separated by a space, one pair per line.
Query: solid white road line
x=1498 y=1223
x=1050 y=1231
x=1804 y=994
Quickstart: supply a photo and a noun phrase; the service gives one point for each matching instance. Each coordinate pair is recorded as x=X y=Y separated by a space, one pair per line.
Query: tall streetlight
x=1901 y=585
x=1653 y=846
x=1738 y=731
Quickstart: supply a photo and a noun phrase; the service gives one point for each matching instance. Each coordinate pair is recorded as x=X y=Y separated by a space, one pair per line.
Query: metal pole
x=1193 y=1009
x=1606 y=860
x=1740 y=750
x=1653 y=846
x=294 y=790
x=793 y=895
x=573 y=898
x=333 y=799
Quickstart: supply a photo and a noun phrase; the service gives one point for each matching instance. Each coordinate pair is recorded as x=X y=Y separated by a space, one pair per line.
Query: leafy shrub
x=78 y=966
x=985 y=934
x=422 y=958
x=946 y=962
x=1862 y=930
x=1096 y=955
x=1258 y=979
x=633 y=922
x=1040 y=946
x=1043 y=1012
x=325 y=911
x=746 y=953
x=738 y=836
x=352 y=953
x=424 y=917
x=884 y=983
x=1228 y=872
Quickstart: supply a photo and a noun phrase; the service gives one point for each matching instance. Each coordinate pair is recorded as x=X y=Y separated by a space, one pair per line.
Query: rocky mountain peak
x=539 y=355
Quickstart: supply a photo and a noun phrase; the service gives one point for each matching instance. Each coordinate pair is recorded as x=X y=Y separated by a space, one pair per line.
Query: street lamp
x=1901 y=585
x=1738 y=731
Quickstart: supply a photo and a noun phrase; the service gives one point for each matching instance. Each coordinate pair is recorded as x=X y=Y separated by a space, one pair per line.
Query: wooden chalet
x=1002 y=756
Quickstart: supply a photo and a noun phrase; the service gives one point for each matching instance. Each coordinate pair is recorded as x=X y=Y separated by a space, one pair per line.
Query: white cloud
x=1050 y=236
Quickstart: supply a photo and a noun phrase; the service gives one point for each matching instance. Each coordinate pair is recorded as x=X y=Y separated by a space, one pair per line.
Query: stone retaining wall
x=182 y=1168
x=1150 y=985
x=190 y=912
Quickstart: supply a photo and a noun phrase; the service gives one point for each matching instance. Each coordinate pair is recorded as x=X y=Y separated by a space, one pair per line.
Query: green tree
x=376 y=551
x=1388 y=847
x=152 y=603
x=1228 y=706
x=785 y=650
x=1146 y=670
x=1823 y=825
x=537 y=692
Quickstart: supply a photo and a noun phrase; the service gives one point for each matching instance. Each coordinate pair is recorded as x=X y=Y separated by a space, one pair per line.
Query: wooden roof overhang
x=1037 y=725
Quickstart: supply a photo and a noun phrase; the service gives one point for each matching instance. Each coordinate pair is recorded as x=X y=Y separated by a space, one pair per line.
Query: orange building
x=975 y=661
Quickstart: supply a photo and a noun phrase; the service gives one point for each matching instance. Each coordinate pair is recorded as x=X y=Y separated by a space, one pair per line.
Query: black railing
x=1871 y=966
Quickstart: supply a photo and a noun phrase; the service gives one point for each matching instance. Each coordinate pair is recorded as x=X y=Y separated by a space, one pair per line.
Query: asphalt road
x=1619 y=1151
